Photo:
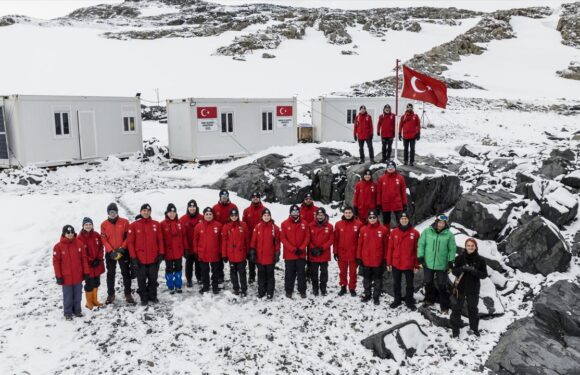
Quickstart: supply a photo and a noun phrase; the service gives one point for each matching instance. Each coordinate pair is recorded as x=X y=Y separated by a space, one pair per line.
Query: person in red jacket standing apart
x=252 y=216
x=188 y=223
x=363 y=132
x=94 y=248
x=402 y=260
x=235 y=244
x=145 y=243
x=321 y=240
x=175 y=243
x=392 y=195
x=365 y=196
x=386 y=130
x=346 y=233
x=221 y=213
x=207 y=247
x=265 y=252
x=308 y=209
x=409 y=133
x=372 y=254
x=69 y=260
x=295 y=236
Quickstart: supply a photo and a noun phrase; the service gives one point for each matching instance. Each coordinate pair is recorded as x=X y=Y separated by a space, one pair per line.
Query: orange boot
x=96 y=302
x=89 y=298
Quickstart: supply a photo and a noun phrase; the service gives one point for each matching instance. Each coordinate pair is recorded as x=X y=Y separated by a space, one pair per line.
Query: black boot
x=129 y=299
x=455 y=332
x=395 y=304
x=365 y=298
x=342 y=291
x=110 y=299
x=353 y=292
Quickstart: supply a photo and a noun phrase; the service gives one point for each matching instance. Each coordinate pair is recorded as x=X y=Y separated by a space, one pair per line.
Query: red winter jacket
x=70 y=261
x=321 y=235
x=386 y=125
x=188 y=224
x=410 y=125
x=94 y=249
x=114 y=235
x=365 y=197
x=266 y=241
x=363 y=127
x=372 y=245
x=145 y=241
x=308 y=213
x=235 y=241
x=253 y=215
x=392 y=194
x=174 y=239
x=346 y=233
x=402 y=249
x=295 y=235
x=207 y=241
x=221 y=212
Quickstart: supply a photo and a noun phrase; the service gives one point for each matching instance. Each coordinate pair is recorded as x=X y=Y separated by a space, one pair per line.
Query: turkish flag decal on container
x=284 y=110
x=206 y=112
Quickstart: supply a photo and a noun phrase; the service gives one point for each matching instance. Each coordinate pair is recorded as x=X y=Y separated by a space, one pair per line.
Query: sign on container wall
x=207 y=119
x=284 y=116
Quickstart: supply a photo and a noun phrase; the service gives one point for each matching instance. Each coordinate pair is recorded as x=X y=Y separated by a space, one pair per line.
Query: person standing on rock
x=392 y=194
x=147 y=251
x=295 y=237
x=252 y=216
x=175 y=242
x=402 y=260
x=371 y=255
x=365 y=196
x=235 y=244
x=207 y=247
x=436 y=252
x=69 y=260
x=346 y=233
x=386 y=130
x=94 y=248
x=114 y=235
x=188 y=222
x=321 y=240
x=265 y=252
x=469 y=270
x=409 y=133
x=363 y=132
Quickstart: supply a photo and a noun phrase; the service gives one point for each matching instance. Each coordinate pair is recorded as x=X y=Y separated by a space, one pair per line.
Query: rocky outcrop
x=572 y=179
x=572 y=72
x=558 y=163
x=569 y=24
x=556 y=202
x=398 y=342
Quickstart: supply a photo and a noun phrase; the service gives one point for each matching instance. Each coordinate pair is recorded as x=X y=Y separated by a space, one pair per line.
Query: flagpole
x=396 y=159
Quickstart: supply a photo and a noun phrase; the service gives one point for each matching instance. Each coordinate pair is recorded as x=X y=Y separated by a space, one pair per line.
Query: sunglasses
x=70 y=232
x=234 y=215
x=443 y=217
x=372 y=217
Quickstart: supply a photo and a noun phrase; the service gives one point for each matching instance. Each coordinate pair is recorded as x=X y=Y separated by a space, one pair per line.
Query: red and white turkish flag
x=284 y=110
x=206 y=112
x=421 y=87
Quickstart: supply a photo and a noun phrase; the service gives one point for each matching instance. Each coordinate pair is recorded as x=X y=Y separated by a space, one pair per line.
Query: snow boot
x=89 y=298
x=130 y=300
x=289 y=295
x=365 y=298
x=169 y=279
x=455 y=333
x=411 y=306
x=243 y=293
x=178 y=281
x=270 y=296
x=236 y=292
x=179 y=290
x=395 y=304
x=110 y=299
x=353 y=293
x=376 y=301
x=96 y=298
x=189 y=284
x=68 y=317
x=79 y=315
x=342 y=291
x=302 y=295
x=203 y=290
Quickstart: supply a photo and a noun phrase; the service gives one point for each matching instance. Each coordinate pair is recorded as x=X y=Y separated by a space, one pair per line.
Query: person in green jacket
x=436 y=253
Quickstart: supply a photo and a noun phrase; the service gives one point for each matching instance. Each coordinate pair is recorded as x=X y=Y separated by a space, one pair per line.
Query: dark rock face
x=569 y=24
x=537 y=247
x=403 y=335
x=572 y=180
x=557 y=204
x=558 y=163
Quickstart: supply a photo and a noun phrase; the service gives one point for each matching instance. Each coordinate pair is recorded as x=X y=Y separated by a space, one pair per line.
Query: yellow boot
x=89 y=298
x=96 y=302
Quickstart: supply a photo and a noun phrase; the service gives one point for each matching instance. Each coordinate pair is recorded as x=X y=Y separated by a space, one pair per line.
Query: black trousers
x=266 y=282
x=252 y=270
x=190 y=263
x=295 y=270
x=220 y=271
x=92 y=283
x=387 y=215
x=205 y=268
x=472 y=311
x=436 y=282
x=173 y=265
x=409 y=144
x=124 y=264
x=373 y=281
x=409 y=289
x=387 y=148
x=361 y=149
x=319 y=275
x=238 y=275
x=147 y=281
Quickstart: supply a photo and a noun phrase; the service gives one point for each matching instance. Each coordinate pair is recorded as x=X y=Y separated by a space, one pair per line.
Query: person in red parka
x=363 y=132
x=392 y=194
x=346 y=233
x=321 y=240
x=409 y=133
x=402 y=260
x=386 y=130
x=365 y=196
x=308 y=209
x=221 y=214
x=207 y=247
x=94 y=248
x=235 y=245
x=295 y=236
x=265 y=252
x=147 y=251
x=175 y=243
x=69 y=260
x=252 y=216
x=188 y=223
x=372 y=254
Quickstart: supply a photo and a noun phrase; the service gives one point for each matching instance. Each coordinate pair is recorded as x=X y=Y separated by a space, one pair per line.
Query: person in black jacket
x=469 y=269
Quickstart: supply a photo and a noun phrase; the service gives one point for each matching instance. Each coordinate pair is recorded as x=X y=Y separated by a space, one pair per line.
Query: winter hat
x=145 y=206
x=368 y=172
x=256 y=195
x=386 y=106
x=67 y=229
x=409 y=106
x=224 y=193
x=112 y=207
x=192 y=203
x=347 y=208
x=373 y=212
x=207 y=209
x=307 y=196
x=266 y=211
x=170 y=208
x=138 y=217
x=87 y=220
x=404 y=214
x=321 y=210
x=391 y=164
x=362 y=107
x=234 y=211
x=294 y=207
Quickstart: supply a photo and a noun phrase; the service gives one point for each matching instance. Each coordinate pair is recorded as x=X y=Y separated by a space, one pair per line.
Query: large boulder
x=558 y=306
x=557 y=203
x=398 y=342
x=558 y=163
x=537 y=247
x=572 y=179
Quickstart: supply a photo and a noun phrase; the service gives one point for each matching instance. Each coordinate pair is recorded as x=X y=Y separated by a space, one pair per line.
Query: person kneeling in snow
x=69 y=260
x=321 y=240
x=175 y=243
x=265 y=252
x=94 y=248
x=469 y=269
x=235 y=243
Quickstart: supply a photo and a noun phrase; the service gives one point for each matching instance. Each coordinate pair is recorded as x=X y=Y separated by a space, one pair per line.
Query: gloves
x=336 y=257
x=225 y=259
x=422 y=261
x=467 y=268
x=316 y=251
x=355 y=211
x=277 y=256
x=418 y=137
x=59 y=280
x=252 y=255
x=160 y=258
x=86 y=277
x=122 y=253
x=114 y=255
x=355 y=139
x=135 y=263
x=359 y=262
x=95 y=263
x=298 y=252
